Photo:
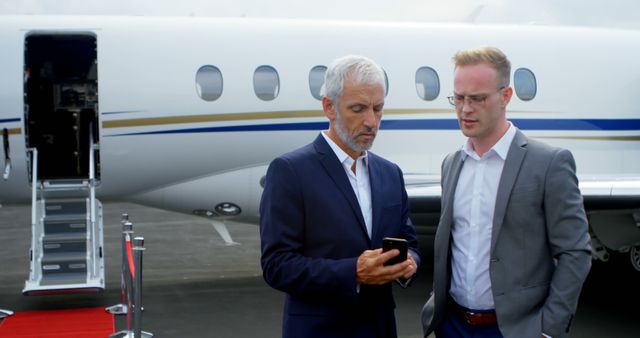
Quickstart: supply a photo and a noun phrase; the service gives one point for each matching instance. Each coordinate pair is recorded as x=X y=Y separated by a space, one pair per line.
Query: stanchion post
x=138 y=249
x=126 y=282
x=131 y=282
x=127 y=233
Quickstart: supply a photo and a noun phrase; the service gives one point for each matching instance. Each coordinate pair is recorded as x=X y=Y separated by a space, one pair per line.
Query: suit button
x=495 y=259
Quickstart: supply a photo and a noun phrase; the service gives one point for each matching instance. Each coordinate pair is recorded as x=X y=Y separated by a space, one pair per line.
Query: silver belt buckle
x=468 y=315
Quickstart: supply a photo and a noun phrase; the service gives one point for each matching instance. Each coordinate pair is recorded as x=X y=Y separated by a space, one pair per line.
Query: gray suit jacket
x=540 y=246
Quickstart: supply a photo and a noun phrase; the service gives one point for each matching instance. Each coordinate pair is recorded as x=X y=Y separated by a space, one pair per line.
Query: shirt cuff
x=546 y=335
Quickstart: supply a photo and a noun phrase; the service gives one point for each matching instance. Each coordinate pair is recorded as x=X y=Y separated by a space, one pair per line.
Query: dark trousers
x=453 y=326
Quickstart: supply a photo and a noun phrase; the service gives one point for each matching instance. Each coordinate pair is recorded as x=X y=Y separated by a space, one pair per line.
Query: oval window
x=316 y=81
x=266 y=83
x=209 y=83
x=427 y=83
x=525 y=84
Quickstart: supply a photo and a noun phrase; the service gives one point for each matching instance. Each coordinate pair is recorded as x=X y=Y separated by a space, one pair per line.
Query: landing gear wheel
x=634 y=253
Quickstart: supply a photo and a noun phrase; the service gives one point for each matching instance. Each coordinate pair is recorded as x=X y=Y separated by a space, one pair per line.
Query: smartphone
x=389 y=243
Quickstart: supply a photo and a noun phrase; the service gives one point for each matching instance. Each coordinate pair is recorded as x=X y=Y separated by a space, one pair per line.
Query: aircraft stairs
x=67 y=237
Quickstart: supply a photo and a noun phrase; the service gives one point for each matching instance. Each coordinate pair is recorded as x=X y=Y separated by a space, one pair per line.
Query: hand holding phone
x=389 y=243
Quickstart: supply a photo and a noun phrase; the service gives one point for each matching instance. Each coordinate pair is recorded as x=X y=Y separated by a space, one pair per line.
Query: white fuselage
x=162 y=145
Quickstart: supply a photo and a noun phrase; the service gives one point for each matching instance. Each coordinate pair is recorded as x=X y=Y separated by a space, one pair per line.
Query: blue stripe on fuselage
x=425 y=124
x=9 y=120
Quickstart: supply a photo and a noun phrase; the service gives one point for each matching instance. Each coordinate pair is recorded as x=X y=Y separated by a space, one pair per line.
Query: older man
x=326 y=208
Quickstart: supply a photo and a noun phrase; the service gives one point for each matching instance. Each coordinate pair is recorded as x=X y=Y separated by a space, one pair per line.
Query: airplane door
x=61 y=103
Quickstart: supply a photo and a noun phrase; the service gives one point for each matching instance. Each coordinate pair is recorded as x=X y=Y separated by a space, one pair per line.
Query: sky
x=602 y=13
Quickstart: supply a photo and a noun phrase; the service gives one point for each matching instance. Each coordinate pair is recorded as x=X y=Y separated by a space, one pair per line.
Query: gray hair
x=359 y=69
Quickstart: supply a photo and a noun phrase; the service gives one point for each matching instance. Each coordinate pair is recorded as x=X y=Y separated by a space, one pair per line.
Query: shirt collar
x=501 y=148
x=341 y=154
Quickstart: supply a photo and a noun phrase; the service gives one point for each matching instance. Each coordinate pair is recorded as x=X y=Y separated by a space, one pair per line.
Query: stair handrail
x=92 y=201
x=34 y=183
x=7 y=155
x=35 y=236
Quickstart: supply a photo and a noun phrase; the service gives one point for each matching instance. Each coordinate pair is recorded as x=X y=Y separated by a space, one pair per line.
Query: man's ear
x=506 y=95
x=329 y=108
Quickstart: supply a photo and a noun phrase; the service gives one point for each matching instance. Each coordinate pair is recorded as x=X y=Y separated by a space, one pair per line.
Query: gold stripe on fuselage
x=243 y=117
x=594 y=138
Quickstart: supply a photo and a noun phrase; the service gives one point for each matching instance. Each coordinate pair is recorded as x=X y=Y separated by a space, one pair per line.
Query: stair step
x=65 y=207
x=64 y=238
x=64 y=247
x=64 y=226
x=66 y=185
x=64 y=258
x=64 y=278
x=60 y=217
x=64 y=267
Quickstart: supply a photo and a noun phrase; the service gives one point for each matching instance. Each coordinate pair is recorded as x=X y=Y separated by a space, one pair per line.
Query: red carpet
x=80 y=323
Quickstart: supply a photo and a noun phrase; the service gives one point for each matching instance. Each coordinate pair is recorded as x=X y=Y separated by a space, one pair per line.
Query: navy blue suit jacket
x=313 y=231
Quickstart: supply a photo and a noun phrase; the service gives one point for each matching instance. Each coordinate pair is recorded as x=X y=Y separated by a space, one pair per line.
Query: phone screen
x=389 y=243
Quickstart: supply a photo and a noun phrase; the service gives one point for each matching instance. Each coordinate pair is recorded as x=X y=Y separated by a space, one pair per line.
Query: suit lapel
x=451 y=184
x=335 y=170
x=512 y=165
x=450 y=176
x=376 y=198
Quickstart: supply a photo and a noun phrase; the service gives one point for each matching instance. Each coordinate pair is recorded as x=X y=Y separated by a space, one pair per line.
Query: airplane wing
x=424 y=193
x=613 y=210
x=610 y=192
x=612 y=205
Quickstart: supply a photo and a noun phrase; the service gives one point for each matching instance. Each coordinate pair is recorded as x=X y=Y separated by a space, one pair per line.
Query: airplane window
x=209 y=83
x=525 y=84
x=316 y=81
x=266 y=83
x=427 y=83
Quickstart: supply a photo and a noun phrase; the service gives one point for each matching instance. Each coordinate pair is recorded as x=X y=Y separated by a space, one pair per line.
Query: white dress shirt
x=473 y=208
x=359 y=180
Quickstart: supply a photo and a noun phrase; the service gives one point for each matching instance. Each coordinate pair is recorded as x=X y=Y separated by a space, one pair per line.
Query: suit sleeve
x=428 y=314
x=408 y=230
x=567 y=230
x=282 y=233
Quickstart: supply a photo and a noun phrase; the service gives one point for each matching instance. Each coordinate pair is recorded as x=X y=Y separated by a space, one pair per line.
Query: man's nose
x=370 y=118
x=466 y=106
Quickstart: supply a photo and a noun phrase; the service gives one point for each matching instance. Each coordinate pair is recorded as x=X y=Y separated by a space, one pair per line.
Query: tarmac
x=196 y=286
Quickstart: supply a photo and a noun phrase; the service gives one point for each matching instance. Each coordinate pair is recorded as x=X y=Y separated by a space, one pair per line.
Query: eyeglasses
x=474 y=100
